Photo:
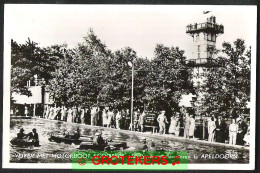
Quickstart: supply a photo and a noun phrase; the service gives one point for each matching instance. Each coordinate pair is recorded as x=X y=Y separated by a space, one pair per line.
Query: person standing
x=142 y=121
x=25 y=110
x=118 y=119
x=78 y=117
x=242 y=129
x=44 y=111
x=74 y=114
x=211 y=129
x=57 y=113
x=162 y=120
x=233 y=129
x=70 y=117
x=110 y=114
x=135 y=120
x=192 y=126
x=96 y=116
x=172 y=126
x=82 y=115
x=104 y=118
x=86 y=115
x=220 y=130
x=186 y=125
x=247 y=135
x=63 y=113
x=51 y=112
x=47 y=112
x=177 y=125
x=127 y=119
x=93 y=116
x=155 y=122
x=123 y=119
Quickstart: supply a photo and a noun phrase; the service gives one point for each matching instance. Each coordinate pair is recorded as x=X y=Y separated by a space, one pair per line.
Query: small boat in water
x=24 y=142
x=68 y=139
x=21 y=117
x=114 y=145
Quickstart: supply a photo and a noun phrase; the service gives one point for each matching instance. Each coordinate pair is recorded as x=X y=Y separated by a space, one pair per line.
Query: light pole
x=131 y=64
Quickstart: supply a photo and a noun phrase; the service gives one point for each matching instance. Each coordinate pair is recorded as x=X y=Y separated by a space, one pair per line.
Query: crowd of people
x=182 y=123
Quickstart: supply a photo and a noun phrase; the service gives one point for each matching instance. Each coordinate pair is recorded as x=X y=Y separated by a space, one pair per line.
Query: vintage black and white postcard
x=129 y=79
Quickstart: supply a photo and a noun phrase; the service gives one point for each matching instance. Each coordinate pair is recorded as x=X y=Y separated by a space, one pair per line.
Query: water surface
x=51 y=152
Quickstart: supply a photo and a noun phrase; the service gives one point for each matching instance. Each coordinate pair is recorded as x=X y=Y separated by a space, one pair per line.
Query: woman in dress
x=172 y=126
x=69 y=117
x=192 y=126
x=211 y=129
x=63 y=113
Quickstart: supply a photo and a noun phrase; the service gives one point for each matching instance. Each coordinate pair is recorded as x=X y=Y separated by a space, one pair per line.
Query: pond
x=51 y=152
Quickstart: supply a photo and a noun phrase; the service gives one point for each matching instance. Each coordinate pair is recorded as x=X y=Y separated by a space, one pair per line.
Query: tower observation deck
x=204 y=41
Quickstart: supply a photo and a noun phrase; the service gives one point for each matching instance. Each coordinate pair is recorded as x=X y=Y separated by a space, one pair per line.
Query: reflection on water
x=51 y=152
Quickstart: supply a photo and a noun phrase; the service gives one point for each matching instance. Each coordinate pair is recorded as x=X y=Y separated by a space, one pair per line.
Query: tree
x=27 y=60
x=169 y=80
x=81 y=74
x=227 y=88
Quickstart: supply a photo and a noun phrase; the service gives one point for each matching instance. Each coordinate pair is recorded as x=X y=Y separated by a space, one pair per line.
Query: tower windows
x=211 y=37
x=198 y=55
x=198 y=48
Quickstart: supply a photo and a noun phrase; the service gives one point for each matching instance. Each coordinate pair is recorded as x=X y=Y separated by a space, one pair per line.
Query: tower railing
x=207 y=62
x=198 y=27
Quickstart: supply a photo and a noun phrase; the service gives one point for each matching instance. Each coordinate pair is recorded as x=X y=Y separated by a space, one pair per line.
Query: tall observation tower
x=204 y=43
x=204 y=39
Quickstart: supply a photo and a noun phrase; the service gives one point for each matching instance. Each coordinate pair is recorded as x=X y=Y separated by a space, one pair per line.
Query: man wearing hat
x=162 y=120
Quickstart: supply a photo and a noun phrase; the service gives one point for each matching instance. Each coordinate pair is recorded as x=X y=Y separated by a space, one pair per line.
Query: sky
x=140 y=27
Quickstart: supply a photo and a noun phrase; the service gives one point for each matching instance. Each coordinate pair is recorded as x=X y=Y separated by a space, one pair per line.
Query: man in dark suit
x=242 y=129
x=220 y=130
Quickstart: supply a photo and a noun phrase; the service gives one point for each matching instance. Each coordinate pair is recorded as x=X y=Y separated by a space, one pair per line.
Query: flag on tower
x=206 y=12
